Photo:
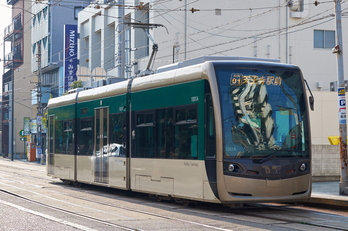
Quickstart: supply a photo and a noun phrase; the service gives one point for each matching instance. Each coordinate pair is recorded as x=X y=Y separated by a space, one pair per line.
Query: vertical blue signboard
x=70 y=55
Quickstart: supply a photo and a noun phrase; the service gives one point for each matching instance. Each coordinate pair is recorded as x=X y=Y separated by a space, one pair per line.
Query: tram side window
x=164 y=133
x=86 y=137
x=116 y=135
x=64 y=137
x=144 y=135
x=186 y=133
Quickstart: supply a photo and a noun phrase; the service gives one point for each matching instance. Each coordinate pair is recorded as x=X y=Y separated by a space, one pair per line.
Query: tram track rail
x=105 y=204
x=186 y=208
x=67 y=212
x=279 y=208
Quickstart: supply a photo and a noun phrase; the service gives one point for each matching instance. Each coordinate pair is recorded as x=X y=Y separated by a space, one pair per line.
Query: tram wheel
x=67 y=182
x=77 y=184
x=186 y=202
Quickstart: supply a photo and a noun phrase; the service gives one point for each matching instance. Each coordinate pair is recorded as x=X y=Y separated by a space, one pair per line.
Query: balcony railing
x=16 y=58
x=9 y=57
x=14 y=28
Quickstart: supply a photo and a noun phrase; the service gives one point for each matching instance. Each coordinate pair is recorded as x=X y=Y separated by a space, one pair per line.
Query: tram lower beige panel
x=162 y=185
x=208 y=194
x=177 y=178
x=64 y=166
x=268 y=188
x=85 y=169
x=118 y=172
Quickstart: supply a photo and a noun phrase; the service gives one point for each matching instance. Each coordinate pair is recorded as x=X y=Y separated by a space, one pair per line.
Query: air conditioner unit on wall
x=333 y=86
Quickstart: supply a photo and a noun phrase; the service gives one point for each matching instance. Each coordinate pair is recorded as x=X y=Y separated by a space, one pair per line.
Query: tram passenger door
x=101 y=123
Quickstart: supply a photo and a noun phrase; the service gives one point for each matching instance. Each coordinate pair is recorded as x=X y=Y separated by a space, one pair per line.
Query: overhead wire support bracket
x=145 y=26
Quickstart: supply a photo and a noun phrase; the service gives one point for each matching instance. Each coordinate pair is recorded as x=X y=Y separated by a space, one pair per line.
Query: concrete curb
x=329 y=200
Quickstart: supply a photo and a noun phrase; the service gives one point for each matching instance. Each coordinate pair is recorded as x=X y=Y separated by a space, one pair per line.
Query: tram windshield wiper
x=270 y=156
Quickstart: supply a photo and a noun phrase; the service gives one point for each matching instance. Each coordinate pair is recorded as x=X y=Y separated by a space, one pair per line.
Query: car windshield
x=263 y=112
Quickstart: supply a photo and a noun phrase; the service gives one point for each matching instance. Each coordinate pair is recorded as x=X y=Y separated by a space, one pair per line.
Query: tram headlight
x=303 y=167
x=231 y=167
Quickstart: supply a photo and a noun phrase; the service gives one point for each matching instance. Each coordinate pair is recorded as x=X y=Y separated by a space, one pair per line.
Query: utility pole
x=338 y=50
x=39 y=108
x=186 y=16
x=11 y=116
x=121 y=40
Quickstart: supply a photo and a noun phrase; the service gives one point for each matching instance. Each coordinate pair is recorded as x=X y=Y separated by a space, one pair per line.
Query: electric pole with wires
x=338 y=50
x=39 y=157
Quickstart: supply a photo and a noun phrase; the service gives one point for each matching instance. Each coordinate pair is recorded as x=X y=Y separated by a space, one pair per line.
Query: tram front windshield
x=263 y=112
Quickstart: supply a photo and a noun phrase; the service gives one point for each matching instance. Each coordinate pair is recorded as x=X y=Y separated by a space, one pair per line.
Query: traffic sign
x=39 y=118
x=21 y=133
x=23 y=139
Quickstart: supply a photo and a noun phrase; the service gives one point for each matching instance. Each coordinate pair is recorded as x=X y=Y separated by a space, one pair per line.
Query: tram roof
x=204 y=59
x=104 y=91
x=168 y=78
x=62 y=101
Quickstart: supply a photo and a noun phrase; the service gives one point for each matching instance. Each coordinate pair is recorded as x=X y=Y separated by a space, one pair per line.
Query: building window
x=324 y=39
x=141 y=40
x=77 y=10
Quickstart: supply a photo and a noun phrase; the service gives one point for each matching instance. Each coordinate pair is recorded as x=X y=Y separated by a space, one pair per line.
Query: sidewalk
x=328 y=193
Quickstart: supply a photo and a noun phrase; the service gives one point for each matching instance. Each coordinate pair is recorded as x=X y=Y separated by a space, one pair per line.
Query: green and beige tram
x=215 y=129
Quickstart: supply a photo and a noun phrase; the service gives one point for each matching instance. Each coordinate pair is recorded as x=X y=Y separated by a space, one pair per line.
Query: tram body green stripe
x=169 y=96
x=63 y=113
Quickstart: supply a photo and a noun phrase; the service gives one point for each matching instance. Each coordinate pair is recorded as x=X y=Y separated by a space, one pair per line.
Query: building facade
x=47 y=31
x=16 y=88
x=295 y=32
x=33 y=23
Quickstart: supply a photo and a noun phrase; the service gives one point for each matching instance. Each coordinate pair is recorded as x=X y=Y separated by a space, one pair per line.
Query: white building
x=296 y=32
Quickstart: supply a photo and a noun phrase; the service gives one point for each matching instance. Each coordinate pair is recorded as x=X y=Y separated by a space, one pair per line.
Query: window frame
x=324 y=41
x=91 y=118
x=123 y=131
x=174 y=124
x=72 y=130
x=185 y=122
x=142 y=126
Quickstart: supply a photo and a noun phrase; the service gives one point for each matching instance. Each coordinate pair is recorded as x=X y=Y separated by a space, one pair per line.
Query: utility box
x=31 y=150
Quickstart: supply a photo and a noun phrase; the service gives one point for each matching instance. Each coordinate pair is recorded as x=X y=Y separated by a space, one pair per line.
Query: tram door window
x=186 y=133
x=86 y=137
x=144 y=135
x=51 y=130
x=101 y=145
x=50 y=160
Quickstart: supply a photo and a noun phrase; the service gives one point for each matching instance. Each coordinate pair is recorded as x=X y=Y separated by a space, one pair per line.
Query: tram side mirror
x=311 y=98
x=311 y=102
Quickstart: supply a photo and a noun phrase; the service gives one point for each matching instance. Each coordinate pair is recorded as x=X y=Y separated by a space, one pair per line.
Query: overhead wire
x=219 y=45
